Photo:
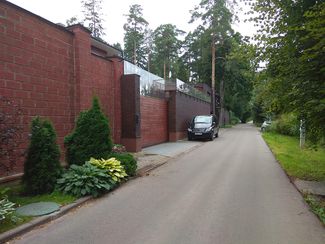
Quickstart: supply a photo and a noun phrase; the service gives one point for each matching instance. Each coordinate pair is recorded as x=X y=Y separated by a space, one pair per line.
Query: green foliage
x=42 y=165
x=112 y=166
x=291 y=41
x=85 y=180
x=128 y=162
x=134 y=36
x=316 y=206
x=91 y=137
x=233 y=119
x=305 y=164
x=6 y=207
x=286 y=124
x=15 y=194
x=92 y=10
x=166 y=49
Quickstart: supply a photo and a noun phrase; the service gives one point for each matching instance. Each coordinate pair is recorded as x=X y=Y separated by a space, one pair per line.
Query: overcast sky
x=155 y=12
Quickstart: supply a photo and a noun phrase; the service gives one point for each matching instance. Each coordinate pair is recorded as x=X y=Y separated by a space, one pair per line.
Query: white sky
x=155 y=12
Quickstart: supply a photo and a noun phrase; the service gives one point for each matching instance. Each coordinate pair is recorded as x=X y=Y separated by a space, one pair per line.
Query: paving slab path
x=228 y=191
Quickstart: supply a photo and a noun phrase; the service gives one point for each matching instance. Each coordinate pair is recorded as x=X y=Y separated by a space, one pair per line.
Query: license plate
x=198 y=134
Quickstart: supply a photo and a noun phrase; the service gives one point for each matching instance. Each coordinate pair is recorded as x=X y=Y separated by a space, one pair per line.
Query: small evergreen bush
x=91 y=137
x=42 y=165
x=85 y=180
x=127 y=161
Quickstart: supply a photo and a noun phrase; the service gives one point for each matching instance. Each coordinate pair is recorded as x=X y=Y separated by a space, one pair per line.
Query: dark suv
x=203 y=127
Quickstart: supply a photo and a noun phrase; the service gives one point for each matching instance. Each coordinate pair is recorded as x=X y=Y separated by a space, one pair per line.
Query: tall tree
x=166 y=49
x=92 y=10
x=134 y=36
x=216 y=20
x=291 y=38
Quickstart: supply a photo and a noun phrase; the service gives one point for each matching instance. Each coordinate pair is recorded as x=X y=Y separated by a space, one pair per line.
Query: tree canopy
x=291 y=41
x=135 y=33
x=92 y=10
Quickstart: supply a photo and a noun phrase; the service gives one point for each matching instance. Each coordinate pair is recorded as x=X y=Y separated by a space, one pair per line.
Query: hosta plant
x=6 y=208
x=112 y=166
x=127 y=161
x=85 y=180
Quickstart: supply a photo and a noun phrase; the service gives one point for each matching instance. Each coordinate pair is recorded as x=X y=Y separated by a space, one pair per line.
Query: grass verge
x=15 y=195
x=317 y=205
x=305 y=164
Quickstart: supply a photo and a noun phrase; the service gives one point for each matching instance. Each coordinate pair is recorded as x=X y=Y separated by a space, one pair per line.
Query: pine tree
x=134 y=37
x=92 y=11
x=42 y=165
x=91 y=137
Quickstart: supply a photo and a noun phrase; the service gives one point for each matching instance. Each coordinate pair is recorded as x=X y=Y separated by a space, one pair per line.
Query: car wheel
x=211 y=137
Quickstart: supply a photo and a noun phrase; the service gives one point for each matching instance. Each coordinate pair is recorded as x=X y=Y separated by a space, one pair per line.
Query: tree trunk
x=222 y=110
x=134 y=54
x=164 y=70
x=213 y=81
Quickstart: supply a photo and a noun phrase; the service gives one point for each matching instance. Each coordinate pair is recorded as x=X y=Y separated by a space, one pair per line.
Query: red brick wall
x=154 y=119
x=50 y=71
x=180 y=115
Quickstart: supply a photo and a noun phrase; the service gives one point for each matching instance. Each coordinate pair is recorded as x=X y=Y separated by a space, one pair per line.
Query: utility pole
x=213 y=81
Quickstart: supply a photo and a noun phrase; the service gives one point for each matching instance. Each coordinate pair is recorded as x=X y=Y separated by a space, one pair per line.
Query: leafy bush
x=91 y=137
x=286 y=124
x=85 y=180
x=6 y=207
x=112 y=166
x=42 y=165
x=127 y=161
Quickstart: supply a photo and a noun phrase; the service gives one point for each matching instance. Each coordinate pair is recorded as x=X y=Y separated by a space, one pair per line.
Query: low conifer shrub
x=90 y=138
x=42 y=164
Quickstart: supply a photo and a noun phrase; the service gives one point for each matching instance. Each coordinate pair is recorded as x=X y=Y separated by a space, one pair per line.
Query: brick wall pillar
x=131 y=116
x=172 y=116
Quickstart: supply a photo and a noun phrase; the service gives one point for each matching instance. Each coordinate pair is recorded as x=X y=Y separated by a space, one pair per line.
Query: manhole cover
x=38 y=209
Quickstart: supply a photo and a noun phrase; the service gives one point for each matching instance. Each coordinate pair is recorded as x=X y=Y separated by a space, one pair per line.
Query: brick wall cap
x=71 y=27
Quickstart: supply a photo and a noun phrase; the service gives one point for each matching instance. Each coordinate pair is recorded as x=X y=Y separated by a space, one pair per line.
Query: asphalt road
x=230 y=190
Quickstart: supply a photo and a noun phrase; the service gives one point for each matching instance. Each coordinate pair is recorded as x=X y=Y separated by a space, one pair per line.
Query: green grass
x=15 y=195
x=305 y=164
x=317 y=205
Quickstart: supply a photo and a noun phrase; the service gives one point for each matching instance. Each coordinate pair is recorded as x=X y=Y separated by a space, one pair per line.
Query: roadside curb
x=292 y=181
x=146 y=169
x=22 y=229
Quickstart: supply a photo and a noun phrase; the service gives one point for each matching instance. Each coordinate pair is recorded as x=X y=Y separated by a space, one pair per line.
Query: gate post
x=131 y=116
